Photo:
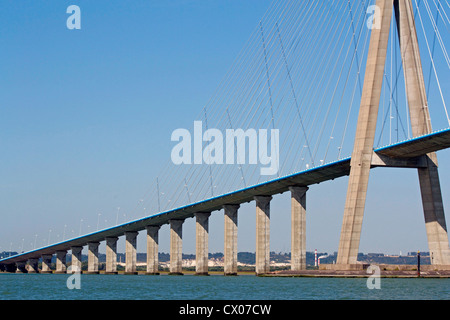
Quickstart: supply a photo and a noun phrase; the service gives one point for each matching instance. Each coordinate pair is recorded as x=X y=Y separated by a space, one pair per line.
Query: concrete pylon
x=111 y=255
x=230 y=239
x=21 y=267
x=262 y=234
x=433 y=207
x=130 y=252
x=365 y=134
x=61 y=266
x=201 y=246
x=176 y=247
x=420 y=123
x=93 y=257
x=10 y=267
x=298 y=228
x=33 y=265
x=152 y=250
x=46 y=263
x=76 y=259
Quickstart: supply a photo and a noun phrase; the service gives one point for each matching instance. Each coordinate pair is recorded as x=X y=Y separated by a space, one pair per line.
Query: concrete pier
x=46 y=263
x=176 y=247
x=298 y=228
x=111 y=255
x=76 y=259
x=93 y=257
x=61 y=266
x=10 y=267
x=262 y=234
x=33 y=266
x=152 y=250
x=130 y=252
x=21 y=267
x=202 y=235
x=230 y=239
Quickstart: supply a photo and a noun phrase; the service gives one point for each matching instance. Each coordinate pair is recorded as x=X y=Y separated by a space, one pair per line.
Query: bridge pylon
x=363 y=155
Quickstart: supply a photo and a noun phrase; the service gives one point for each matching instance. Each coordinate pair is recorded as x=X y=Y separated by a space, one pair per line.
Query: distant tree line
x=249 y=258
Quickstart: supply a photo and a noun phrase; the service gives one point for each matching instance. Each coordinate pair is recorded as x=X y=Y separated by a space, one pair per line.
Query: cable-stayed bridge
x=334 y=78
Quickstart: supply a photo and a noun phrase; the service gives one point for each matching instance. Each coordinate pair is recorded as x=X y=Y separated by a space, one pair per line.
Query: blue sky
x=86 y=118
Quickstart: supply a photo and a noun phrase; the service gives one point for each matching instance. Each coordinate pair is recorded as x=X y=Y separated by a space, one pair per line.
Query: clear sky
x=86 y=118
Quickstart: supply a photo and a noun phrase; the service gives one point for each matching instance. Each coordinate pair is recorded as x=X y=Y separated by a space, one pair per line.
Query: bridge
x=417 y=151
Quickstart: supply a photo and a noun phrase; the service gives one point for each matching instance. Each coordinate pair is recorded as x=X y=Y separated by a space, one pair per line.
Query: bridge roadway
x=408 y=153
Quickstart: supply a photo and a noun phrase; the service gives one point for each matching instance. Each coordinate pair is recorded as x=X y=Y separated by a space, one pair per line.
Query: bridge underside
x=409 y=153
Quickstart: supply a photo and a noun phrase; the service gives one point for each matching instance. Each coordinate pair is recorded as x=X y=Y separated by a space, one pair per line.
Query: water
x=215 y=287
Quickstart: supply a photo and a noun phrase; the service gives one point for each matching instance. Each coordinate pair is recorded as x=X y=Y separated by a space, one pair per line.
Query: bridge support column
x=11 y=267
x=111 y=255
x=130 y=252
x=46 y=263
x=33 y=266
x=61 y=266
x=76 y=260
x=152 y=250
x=230 y=235
x=262 y=234
x=364 y=139
x=21 y=267
x=93 y=257
x=202 y=233
x=433 y=207
x=176 y=247
x=298 y=228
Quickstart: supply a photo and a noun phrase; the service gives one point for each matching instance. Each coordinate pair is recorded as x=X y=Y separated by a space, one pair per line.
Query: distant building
x=375 y=254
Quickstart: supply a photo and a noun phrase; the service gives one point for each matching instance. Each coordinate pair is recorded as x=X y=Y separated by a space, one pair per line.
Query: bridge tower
x=362 y=157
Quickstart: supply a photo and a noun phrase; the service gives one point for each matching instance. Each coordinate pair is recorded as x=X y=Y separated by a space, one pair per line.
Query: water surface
x=215 y=287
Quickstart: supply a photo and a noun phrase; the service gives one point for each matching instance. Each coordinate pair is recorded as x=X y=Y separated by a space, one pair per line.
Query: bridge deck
x=410 y=148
